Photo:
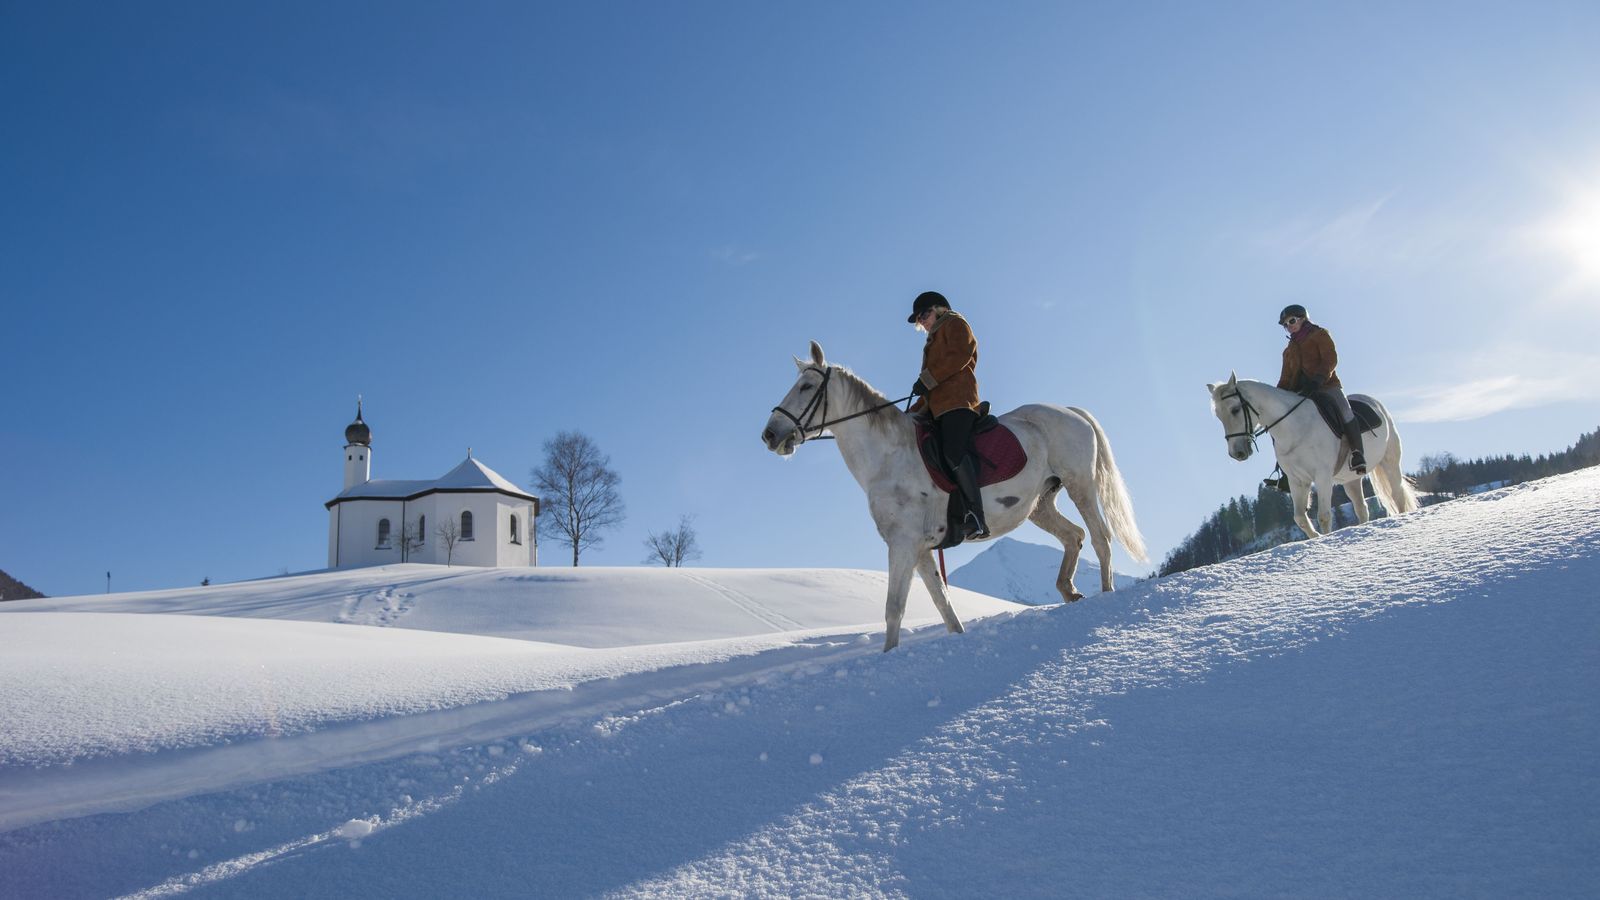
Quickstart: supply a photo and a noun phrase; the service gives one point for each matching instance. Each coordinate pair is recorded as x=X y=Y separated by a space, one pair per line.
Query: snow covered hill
x=580 y=607
x=1026 y=573
x=1400 y=709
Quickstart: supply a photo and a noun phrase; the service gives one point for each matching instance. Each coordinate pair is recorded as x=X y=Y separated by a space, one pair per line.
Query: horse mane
x=865 y=396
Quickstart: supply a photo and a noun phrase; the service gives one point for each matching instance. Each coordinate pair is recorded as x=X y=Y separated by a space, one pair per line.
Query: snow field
x=1400 y=709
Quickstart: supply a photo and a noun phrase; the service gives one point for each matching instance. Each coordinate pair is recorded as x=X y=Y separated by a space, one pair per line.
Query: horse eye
x=1235 y=411
x=806 y=387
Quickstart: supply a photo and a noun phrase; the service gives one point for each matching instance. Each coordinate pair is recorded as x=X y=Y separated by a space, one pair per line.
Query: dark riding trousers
x=955 y=433
x=1336 y=397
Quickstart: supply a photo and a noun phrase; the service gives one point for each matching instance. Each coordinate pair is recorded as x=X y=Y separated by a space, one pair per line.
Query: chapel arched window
x=466 y=525
x=383 y=532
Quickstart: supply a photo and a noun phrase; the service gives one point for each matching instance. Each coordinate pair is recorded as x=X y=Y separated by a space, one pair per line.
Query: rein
x=819 y=403
x=1250 y=431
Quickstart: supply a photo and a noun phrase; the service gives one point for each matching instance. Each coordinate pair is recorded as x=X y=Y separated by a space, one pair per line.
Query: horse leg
x=1325 y=503
x=1083 y=497
x=1047 y=517
x=1300 y=496
x=1356 y=489
x=901 y=561
x=929 y=570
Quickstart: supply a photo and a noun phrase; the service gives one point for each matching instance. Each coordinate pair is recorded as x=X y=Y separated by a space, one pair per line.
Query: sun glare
x=1575 y=234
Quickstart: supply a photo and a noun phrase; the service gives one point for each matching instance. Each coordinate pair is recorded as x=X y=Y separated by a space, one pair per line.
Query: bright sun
x=1575 y=234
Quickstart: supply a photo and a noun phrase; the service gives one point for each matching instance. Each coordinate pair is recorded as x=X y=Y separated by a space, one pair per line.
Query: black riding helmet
x=1293 y=309
x=925 y=301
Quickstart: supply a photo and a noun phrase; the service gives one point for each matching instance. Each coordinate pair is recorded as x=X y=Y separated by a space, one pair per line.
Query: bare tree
x=410 y=539
x=449 y=533
x=673 y=548
x=579 y=491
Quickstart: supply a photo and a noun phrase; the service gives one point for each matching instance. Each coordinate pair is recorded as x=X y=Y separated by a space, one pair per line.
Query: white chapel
x=374 y=522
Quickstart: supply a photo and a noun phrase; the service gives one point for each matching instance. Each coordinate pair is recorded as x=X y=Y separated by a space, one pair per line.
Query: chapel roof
x=470 y=477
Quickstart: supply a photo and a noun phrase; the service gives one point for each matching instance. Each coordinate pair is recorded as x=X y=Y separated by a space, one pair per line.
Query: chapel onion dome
x=357 y=432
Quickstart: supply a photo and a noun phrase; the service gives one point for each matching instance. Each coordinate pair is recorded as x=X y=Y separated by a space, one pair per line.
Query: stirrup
x=1280 y=483
x=1358 y=462
x=974 y=526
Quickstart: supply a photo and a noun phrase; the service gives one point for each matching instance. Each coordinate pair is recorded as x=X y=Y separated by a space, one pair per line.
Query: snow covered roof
x=471 y=476
x=474 y=475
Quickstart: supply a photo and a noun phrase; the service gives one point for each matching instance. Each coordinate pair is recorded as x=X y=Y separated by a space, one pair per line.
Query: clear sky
x=219 y=223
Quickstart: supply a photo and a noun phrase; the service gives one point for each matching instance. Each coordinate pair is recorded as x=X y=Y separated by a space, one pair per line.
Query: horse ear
x=1233 y=378
x=816 y=354
x=1211 y=389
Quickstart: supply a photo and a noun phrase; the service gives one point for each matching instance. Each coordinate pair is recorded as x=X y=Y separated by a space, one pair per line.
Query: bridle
x=1250 y=430
x=819 y=404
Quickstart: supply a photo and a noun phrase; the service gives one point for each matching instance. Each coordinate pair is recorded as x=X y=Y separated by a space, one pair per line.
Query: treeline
x=1442 y=473
x=1245 y=525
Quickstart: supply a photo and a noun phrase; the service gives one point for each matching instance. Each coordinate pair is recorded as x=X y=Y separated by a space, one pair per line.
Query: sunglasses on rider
x=1289 y=320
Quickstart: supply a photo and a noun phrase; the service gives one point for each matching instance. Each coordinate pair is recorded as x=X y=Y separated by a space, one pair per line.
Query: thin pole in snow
x=108 y=582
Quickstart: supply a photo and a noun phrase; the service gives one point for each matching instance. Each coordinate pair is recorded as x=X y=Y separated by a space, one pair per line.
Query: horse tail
x=1389 y=480
x=1114 y=501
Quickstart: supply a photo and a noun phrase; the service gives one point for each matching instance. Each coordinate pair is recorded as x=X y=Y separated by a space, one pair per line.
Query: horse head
x=1236 y=416
x=804 y=405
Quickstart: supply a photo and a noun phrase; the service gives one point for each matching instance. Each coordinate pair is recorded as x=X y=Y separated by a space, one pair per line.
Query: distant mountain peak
x=1024 y=572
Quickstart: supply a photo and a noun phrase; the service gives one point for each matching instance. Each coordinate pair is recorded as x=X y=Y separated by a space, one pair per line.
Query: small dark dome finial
x=357 y=432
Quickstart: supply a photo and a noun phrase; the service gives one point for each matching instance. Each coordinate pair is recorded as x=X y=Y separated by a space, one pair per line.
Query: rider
x=1308 y=363
x=948 y=389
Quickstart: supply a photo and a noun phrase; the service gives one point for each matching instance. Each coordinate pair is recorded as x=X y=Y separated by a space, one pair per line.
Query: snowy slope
x=206 y=674
x=1026 y=573
x=581 y=607
x=1400 y=709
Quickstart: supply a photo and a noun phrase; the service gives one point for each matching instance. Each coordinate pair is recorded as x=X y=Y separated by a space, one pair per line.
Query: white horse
x=1308 y=450
x=1066 y=448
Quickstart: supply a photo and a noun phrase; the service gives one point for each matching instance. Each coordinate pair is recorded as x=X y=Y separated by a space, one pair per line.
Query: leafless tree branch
x=579 y=491
x=675 y=547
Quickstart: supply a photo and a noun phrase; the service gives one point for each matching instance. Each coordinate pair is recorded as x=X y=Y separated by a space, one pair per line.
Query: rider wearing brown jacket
x=1308 y=369
x=947 y=388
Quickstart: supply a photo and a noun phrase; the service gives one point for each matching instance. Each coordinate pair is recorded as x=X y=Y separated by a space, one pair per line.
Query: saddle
x=1365 y=414
x=1000 y=456
x=1366 y=417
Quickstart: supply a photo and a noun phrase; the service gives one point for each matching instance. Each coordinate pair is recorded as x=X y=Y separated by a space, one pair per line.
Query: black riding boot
x=967 y=481
x=1352 y=433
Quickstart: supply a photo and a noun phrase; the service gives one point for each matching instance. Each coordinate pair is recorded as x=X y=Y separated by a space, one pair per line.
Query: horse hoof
x=1074 y=597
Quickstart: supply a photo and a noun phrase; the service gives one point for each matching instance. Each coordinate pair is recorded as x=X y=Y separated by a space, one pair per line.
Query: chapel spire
x=357 y=451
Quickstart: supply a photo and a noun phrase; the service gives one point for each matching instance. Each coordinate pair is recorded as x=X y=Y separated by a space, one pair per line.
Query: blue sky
x=499 y=221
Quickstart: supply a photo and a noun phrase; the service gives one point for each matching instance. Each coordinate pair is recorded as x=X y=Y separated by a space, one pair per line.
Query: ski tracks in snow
x=775 y=620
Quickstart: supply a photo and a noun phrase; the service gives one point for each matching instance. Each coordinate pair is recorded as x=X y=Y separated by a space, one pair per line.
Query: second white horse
x=1309 y=451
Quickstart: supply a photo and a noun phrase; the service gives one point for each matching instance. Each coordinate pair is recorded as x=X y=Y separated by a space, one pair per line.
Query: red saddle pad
x=1000 y=456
